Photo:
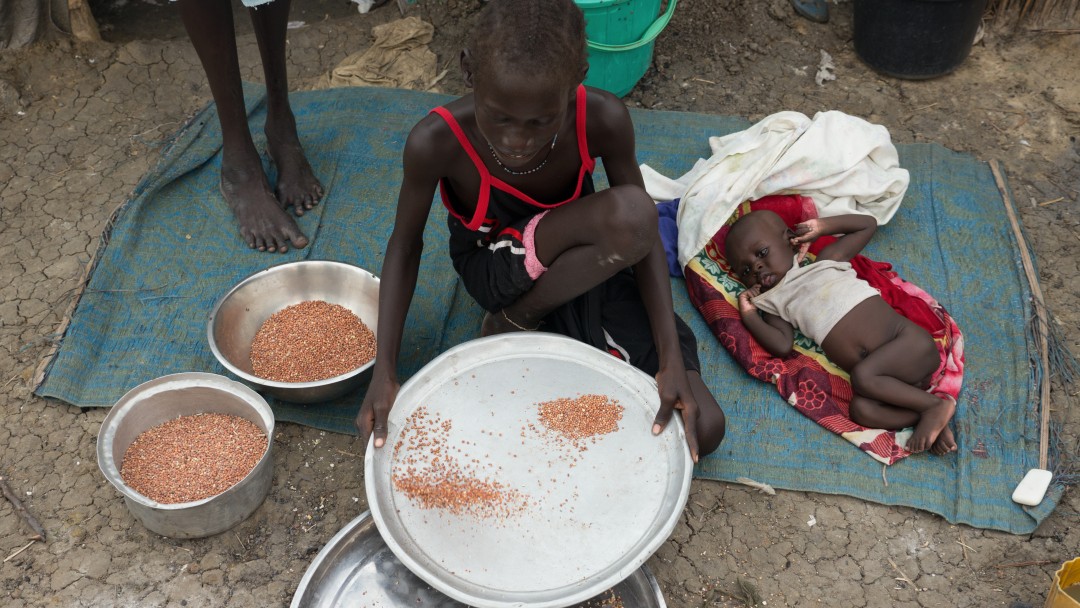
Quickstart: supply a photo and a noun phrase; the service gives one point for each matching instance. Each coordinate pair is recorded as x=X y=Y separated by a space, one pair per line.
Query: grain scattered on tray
x=192 y=457
x=310 y=341
x=583 y=417
x=438 y=475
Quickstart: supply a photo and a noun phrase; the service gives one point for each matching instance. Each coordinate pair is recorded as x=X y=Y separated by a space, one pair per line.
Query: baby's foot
x=264 y=225
x=297 y=185
x=932 y=423
x=945 y=442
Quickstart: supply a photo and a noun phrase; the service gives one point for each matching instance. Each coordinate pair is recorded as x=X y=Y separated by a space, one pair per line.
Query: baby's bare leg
x=877 y=415
x=583 y=244
x=892 y=375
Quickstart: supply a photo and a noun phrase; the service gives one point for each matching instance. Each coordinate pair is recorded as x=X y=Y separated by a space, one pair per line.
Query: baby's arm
x=773 y=333
x=855 y=231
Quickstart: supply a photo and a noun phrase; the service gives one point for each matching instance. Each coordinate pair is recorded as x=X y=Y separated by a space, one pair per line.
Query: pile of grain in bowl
x=311 y=341
x=192 y=457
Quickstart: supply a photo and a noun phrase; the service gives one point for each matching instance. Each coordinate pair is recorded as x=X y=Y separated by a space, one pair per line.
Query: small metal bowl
x=239 y=314
x=168 y=397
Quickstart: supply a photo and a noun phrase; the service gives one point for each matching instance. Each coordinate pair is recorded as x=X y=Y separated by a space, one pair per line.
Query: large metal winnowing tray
x=593 y=516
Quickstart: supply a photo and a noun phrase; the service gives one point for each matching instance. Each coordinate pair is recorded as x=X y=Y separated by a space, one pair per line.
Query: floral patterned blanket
x=806 y=379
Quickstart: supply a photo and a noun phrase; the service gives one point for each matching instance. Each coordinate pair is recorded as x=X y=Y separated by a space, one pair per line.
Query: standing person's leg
x=296 y=182
x=263 y=223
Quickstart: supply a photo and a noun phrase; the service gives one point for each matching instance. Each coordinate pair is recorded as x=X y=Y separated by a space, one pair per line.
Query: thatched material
x=1047 y=15
x=22 y=21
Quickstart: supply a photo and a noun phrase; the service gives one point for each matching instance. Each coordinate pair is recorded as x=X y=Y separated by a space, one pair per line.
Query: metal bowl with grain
x=163 y=399
x=238 y=315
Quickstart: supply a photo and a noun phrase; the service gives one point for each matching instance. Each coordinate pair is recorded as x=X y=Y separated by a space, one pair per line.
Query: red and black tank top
x=500 y=205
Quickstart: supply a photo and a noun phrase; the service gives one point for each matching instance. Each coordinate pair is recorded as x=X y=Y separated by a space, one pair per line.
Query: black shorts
x=611 y=316
x=494 y=274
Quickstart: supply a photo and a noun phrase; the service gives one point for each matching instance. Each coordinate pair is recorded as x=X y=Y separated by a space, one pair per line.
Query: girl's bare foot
x=297 y=185
x=932 y=422
x=264 y=225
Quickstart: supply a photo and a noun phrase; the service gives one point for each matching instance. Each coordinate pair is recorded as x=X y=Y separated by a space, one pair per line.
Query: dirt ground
x=81 y=124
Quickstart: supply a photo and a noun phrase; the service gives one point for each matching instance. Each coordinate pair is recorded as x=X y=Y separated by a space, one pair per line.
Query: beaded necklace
x=533 y=170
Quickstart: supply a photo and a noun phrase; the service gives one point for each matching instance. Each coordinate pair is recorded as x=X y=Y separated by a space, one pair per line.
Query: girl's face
x=520 y=115
x=761 y=255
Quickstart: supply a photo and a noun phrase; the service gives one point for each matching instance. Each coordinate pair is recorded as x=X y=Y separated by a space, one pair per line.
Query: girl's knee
x=712 y=426
x=631 y=221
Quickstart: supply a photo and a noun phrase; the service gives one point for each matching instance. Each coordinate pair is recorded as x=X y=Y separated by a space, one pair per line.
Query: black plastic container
x=916 y=39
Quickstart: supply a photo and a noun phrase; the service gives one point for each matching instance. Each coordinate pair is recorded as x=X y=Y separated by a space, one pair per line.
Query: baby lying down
x=890 y=359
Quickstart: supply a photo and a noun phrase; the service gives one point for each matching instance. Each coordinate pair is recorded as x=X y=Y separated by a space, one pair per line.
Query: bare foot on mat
x=264 y=225
x=945 y=442
x=297 y=185
x=931 y=424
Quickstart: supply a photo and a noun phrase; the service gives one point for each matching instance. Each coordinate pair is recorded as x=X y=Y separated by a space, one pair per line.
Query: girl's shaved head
x=542 y=38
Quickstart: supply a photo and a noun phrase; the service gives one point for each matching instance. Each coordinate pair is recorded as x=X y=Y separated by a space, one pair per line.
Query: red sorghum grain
x=309 y=341
x=431 y=472
x=583 y=417
x=192 y=457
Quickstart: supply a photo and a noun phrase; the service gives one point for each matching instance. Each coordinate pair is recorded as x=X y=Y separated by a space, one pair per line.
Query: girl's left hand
x=675 y=394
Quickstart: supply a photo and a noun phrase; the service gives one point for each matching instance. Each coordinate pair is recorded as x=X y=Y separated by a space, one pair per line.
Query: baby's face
x=762 y=254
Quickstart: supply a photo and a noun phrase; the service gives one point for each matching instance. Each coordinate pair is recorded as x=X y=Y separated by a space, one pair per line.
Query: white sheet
x=846 y=164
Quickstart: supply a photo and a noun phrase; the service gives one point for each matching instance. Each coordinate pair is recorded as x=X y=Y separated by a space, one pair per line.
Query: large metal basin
x=168 y=397
x=356 y=569
x=239 y=314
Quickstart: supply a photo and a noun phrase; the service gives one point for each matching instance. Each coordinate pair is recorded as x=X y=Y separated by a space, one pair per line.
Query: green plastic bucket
x=620 y=35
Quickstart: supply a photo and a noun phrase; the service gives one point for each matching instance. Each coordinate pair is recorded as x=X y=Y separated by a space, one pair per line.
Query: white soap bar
x=1032 y=487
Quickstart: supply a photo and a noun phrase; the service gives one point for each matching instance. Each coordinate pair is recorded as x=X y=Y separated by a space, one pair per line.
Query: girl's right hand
x=371 y=420
x=676 y=394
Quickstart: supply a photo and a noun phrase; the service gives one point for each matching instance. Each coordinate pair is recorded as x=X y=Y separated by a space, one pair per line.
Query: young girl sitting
x=534 y=244
x=890 y=359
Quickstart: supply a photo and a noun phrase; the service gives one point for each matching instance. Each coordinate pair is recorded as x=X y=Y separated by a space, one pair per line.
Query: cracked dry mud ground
x=81 y=124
